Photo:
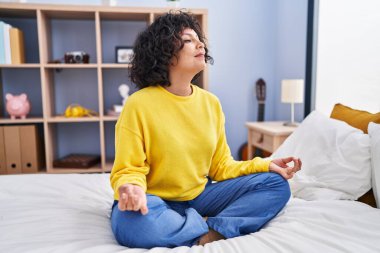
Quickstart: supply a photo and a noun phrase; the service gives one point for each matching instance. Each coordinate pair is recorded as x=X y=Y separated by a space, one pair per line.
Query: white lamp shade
x=292 y=91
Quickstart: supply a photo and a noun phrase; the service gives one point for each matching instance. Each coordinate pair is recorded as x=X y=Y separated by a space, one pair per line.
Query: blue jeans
x=234 y=207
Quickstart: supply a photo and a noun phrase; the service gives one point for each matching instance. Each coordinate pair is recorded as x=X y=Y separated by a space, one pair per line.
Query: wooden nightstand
x=267 y=135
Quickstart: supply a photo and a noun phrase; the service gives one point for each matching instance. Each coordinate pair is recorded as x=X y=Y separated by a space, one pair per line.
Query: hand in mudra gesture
x=280 y=166
x=132 y=198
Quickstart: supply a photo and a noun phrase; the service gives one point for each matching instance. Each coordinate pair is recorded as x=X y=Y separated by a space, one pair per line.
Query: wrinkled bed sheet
x=70 y=213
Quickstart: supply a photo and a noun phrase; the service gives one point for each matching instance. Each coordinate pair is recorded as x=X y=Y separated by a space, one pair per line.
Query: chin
x=201 y=67
x=195 y=69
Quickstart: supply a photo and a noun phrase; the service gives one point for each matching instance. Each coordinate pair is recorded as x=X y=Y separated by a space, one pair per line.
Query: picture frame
x=123 y=54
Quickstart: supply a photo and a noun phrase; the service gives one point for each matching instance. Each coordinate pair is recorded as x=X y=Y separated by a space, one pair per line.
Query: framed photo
x=123 y=54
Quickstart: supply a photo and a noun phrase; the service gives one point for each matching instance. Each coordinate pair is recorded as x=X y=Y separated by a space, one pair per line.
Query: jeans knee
x=277 y=181
x=130 y=228
x=119 y=223
x=130 y=231
x=281 y=184
x=268 y=180
x=155 y=229
x=271 y=182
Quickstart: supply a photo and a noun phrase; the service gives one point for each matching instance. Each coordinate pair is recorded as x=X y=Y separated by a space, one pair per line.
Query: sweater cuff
x=260 y=164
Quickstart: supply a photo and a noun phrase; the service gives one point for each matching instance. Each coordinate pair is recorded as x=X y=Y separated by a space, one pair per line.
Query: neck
x=180 y=84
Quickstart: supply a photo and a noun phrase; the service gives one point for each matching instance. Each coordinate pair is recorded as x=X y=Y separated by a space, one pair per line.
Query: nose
x=200 y=44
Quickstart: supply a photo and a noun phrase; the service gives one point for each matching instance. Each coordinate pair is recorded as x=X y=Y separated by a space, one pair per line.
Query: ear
x=23 y=96
x=8 y=96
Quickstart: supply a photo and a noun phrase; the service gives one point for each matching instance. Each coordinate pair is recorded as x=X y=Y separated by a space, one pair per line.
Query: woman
x=171 y=145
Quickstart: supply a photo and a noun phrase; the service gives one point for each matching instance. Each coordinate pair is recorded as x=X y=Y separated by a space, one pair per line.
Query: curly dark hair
x=155 y=47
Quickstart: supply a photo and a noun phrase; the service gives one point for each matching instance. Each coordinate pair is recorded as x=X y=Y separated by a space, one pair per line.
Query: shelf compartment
x=17 y=81
x=68 y=31
x=111 y=35
x=71 y=86
x=112 y=79
x=75 y=138
x=27 y=22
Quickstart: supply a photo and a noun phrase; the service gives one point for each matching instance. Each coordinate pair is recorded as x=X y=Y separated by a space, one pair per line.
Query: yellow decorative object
x=76 y=110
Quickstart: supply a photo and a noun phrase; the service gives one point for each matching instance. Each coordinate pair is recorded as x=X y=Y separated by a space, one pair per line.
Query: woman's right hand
x=132 y=198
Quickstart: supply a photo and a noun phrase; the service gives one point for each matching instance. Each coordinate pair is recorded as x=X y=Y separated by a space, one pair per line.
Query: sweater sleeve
x=223 y=166
x=130 y=165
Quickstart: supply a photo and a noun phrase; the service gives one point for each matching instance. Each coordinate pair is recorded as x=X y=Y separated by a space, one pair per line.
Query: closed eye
x=186 y=41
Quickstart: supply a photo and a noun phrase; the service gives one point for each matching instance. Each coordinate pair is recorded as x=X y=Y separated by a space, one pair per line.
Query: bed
x=70 y=212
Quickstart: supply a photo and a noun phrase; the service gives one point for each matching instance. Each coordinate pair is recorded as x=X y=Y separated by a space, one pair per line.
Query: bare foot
x=210 y=236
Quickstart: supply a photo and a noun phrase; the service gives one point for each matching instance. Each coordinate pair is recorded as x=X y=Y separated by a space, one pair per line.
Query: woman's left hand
x=280 y=166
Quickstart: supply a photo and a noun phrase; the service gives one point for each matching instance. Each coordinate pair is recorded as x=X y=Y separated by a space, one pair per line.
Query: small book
x=2 y=43
x=17 y=46
x=7 y=43
x=77 y=161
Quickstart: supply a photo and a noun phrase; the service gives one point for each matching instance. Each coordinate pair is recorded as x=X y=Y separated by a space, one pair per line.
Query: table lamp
x=292 y=92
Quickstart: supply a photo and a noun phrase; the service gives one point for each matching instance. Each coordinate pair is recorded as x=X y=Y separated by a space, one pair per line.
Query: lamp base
x=291 y=124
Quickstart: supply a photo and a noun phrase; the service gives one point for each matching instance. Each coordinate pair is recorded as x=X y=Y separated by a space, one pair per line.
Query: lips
x=201 y=54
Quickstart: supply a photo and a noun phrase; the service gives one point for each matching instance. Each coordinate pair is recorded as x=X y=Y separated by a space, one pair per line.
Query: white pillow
x=374 y=133
x=335 y=159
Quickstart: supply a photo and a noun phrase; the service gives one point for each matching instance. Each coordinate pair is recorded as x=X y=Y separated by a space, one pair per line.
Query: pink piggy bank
x=17 y=106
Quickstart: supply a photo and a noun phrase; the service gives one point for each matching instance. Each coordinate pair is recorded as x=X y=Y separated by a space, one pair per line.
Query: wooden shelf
x=21 y=121
x=110 y=118
x=25 y=65
x=116 y=15
x=115 y=66
x=63 y=119
x=69 y=14
x=70 y=66
x=13 y=12
x=94 y=85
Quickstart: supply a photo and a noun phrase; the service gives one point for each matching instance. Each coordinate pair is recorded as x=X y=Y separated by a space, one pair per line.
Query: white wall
x=348 y=55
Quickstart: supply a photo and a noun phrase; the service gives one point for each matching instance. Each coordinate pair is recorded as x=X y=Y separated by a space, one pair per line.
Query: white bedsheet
x=70 y=213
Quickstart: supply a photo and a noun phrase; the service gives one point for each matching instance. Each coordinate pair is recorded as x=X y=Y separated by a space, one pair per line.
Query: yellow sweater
x=168 y=144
